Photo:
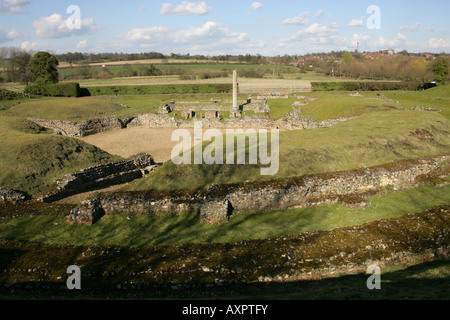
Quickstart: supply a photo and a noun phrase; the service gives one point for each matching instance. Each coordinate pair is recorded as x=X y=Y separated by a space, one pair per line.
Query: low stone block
x=216 y=212
x=10 y=196
x=88 y=212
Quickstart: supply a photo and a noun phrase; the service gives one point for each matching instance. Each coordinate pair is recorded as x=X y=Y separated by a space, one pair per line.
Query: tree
x=19 y=62
x=347 y=58
x=14 y=64
x=151 y=71
x=83 y=71
x=43 y=66
x=42 y=72
x=440 y=70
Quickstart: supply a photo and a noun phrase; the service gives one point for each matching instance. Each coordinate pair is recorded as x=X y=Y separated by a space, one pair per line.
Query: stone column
x=235 y=91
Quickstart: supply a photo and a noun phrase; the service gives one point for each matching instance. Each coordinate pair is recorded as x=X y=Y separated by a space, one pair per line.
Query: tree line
x=37 y=70
x=78 y=57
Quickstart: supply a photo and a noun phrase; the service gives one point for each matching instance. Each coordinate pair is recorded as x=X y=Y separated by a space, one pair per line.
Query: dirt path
x=130 y=141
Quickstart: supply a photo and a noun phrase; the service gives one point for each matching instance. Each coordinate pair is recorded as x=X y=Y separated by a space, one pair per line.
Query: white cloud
x=206 y=39
x=301 y=19
x=256 y=6
x=145 y=34
x=10 y=35
x=317 y=30
x=397 y=42
x=29 y=45
x=319 y=35
x=319 y=14
x=55 y=27
x=441 y=43
x=360 y=38
x=356 y=22
x=13 y=6
x=210 y=30
x=14 y=34
x=82 y=44
x=411 y=28
x=186 y=8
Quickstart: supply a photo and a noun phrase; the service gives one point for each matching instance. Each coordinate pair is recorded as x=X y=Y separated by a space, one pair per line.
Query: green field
x=371 y=139
x=147 y=231
x=31 y=159
x=384 y=131
x=192 y=68
x=381 y=134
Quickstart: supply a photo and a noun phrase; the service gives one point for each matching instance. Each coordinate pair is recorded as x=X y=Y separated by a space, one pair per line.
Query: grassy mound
x=369 y=140
x=46 y=223
x=31 y=159
x=68 y=109
x=437 y=98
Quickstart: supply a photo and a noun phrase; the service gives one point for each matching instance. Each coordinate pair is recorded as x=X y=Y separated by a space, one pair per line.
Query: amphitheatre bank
x=218 y=202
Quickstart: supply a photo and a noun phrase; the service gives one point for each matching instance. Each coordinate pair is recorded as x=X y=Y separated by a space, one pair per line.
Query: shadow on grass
x=427 y=281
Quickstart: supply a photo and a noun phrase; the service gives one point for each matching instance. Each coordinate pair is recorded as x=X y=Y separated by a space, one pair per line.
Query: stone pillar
x=235 y=91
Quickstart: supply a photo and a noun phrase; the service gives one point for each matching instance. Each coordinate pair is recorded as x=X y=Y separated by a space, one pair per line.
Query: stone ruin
x=217 y=203
x=167 y=108
x=10 y=196
x=100 y=177
x=216 y=212
x=86 y=128
x=88 y=212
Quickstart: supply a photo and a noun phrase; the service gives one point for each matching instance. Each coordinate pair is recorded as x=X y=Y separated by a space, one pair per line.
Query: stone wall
x=217 y=202
x=99 y=177
x=10 y=196
x=292 y=121
x=65 y=128
x=88 y=127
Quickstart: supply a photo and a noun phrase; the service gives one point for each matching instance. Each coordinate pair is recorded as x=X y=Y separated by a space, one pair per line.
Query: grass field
x=31 y=159
x=115 y=67
x=147 y=231
x=381 y=134
x=371 y=139
x=246 y=85
x=385 y=131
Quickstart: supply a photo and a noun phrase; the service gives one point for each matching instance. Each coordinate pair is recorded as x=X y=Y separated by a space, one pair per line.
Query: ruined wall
x=88 y=127
x=280 y=194
x=316 y=189
x=65 y=128
x=10 y=196
x=292 y=121
x=154 y=121
x=98 y=177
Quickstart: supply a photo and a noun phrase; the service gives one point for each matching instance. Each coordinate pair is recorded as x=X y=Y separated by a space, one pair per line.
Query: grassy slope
x=381 y=136
x=146 y=231
x=79 y=109
x=372 y=139
x=438 y=98
x=30 y=159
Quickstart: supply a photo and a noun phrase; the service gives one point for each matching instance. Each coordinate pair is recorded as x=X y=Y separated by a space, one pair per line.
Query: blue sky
x=213 y=27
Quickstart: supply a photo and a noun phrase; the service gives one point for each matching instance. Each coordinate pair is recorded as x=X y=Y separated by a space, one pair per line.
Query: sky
x=216 y=27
